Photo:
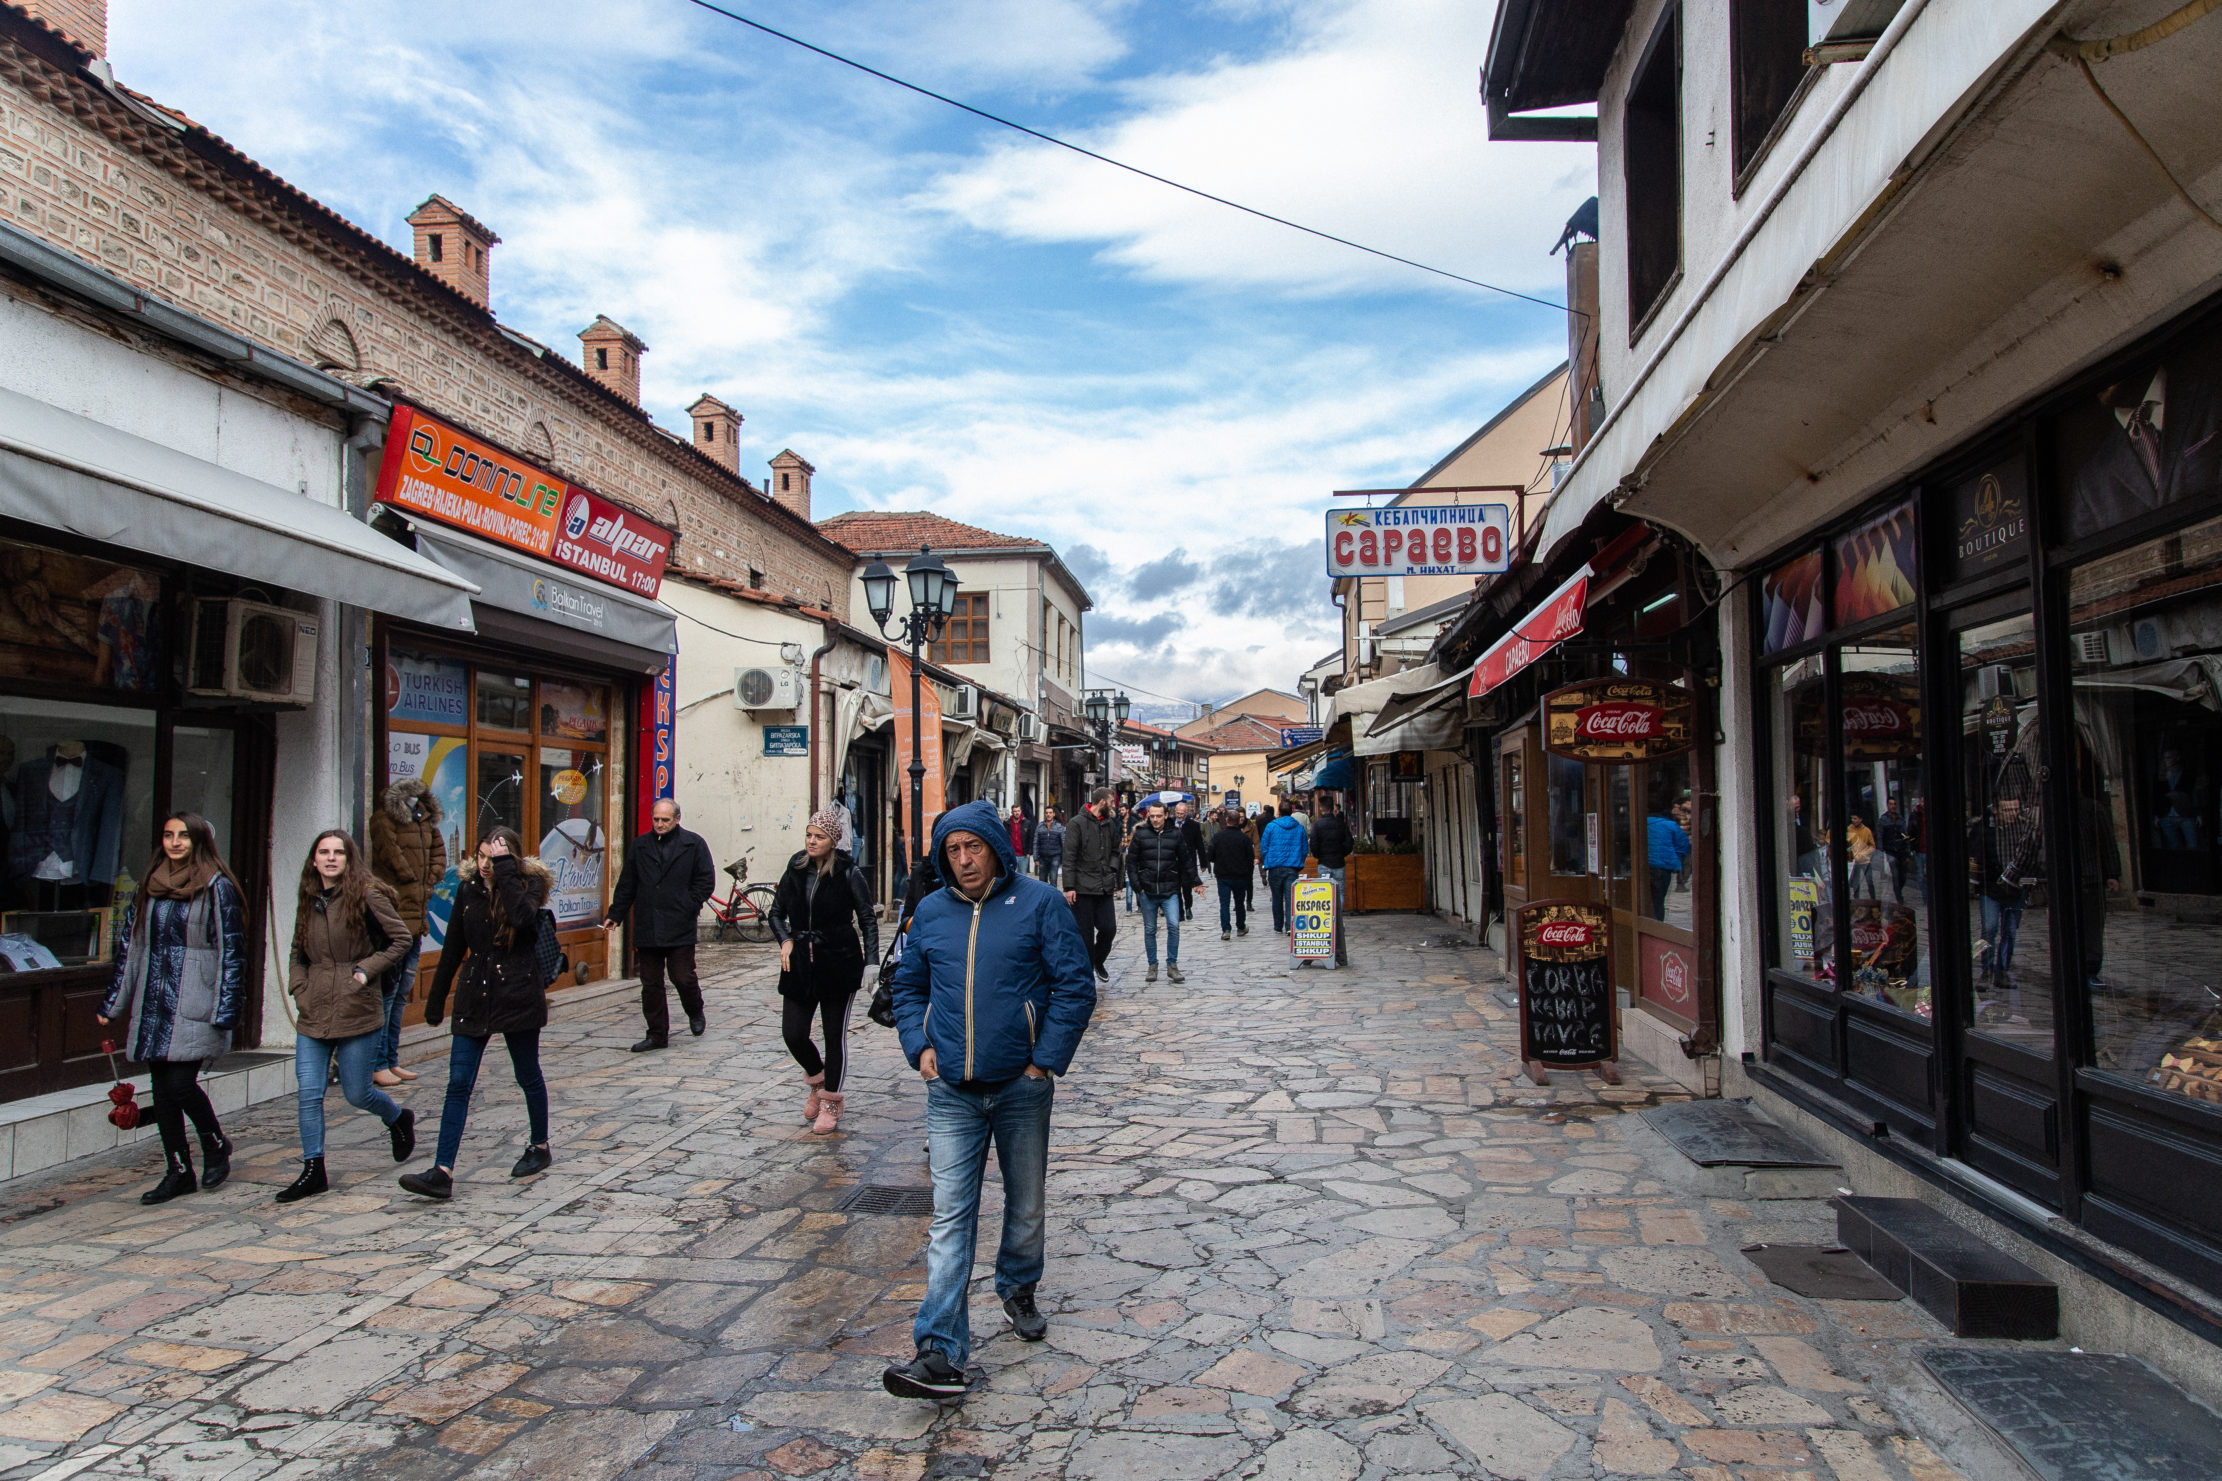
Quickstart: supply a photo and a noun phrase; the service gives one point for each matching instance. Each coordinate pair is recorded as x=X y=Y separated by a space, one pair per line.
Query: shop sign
x=1882 y=717
x=658 y=705
x=447 y=475
x=1420 y=540
x=1301 y=735
x=1564 y=974
x=1804 y=895
x=1230 y=799
x=1407 y=766
x=425 y=690
x=1618 y=720
x=1312 y=908
x=1669 y=976
x=1559 y=618
x=1989 y=510
x=786 y=740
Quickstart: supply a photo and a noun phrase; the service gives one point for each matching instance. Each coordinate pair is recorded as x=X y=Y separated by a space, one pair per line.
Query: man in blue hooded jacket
x=991 y=998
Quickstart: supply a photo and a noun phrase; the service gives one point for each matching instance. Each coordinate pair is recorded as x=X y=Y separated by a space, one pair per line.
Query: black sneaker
x=431 y=1183
x=402 y=1131
x=651 y=1042
x=927 y=1376
x=536 y=1159
x=1103 y=974
x=696 y=1023
x=1019 y=1307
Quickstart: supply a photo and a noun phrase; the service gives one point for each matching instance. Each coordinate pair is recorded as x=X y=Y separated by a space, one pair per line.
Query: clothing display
x=65 y=819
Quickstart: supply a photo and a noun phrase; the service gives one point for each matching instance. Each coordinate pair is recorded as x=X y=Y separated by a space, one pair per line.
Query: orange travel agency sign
x=447 y=475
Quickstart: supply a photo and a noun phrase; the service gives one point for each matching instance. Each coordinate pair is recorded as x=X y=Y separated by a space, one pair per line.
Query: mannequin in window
x=66 y=820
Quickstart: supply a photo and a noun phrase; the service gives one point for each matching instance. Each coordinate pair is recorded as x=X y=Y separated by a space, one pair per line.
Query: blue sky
x=942 y=314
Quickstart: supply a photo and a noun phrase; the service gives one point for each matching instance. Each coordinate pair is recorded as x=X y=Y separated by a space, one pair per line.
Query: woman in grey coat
x=180 y=975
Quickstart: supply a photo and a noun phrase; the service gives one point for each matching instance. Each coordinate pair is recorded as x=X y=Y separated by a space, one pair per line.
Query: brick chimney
x=717 y=431
x=82 y=21
x=791 y=482
x=612 y=357
x=453 y=247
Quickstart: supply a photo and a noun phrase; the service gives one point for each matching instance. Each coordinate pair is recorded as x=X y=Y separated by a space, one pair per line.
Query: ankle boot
x=177 y=1179
x=811 y=1102
x=829 y=1112
x=308 y=1184
x=215 y=1159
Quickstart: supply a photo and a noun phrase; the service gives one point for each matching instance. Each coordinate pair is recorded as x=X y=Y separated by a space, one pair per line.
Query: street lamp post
x=933 y=601
x=1106 y=711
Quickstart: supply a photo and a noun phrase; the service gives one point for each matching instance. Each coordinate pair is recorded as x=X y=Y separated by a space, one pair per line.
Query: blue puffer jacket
x=1283 y=845
x=995 y=985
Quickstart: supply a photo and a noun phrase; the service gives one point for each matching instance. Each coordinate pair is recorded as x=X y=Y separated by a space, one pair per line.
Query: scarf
x=175 y=880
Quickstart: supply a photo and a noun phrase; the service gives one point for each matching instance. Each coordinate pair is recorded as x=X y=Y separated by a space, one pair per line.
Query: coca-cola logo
x=1875 y=717
x=1868 y=935
x=1619 y=720
x=1564 y=933
x=1674 y=974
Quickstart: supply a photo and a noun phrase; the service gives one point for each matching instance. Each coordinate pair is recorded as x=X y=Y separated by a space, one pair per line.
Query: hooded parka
x=328 y=950
x=407 y=849
x=497 y=984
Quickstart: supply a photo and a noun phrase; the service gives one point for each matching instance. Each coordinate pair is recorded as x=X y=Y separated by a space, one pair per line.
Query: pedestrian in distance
x=1094 y=865
x=1193 y=832
x=1231 y=860
x=668 y=874
x=1162 y=868
x=1022 y=834
x=490 y=960
x=1667 y=852
x=408 y=852
x=1331 y=843
x=1282 y=849
x=1127 y=822
x=1049 y=845
x=347 y=936
x=180 y=980
x=822 y=915
x=991 y=999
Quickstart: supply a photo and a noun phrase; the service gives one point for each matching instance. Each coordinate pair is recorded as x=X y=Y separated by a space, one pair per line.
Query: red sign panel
x=1539 y=632
x=1617 y=720
x=657 y=730
x=449 y=476
x=1669 y=975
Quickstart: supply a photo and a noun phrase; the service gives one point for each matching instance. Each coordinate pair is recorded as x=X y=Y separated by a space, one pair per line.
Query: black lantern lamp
x=879 y=592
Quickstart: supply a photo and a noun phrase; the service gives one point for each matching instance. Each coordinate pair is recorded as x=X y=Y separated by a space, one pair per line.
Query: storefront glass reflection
x=2009 y=886
x=1805 y=920
x=1886 y=819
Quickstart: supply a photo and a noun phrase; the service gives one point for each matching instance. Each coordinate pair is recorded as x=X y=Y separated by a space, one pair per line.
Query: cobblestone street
x=1303 y=1225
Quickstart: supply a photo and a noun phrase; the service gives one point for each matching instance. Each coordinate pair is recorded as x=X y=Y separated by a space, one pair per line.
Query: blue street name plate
x=787 y=740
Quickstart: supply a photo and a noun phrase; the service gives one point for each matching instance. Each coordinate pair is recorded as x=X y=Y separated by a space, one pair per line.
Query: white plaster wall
x=1741 y=818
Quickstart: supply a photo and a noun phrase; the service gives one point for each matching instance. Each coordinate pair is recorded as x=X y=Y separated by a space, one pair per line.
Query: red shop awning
x=1558 y=618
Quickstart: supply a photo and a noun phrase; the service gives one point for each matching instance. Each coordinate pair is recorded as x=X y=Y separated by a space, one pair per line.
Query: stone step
x=1964 y=1283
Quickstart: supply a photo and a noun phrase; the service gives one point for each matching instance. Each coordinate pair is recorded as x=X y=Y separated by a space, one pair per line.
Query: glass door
x=2006 y=999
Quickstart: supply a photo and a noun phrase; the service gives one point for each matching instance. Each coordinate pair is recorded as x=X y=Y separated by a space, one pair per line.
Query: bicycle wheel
x=753 y=913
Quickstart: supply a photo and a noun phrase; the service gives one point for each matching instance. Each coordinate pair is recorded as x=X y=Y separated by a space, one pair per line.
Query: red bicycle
x=747 y=911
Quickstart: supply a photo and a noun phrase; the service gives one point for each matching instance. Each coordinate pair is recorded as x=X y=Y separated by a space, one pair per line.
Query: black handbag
x=547 y=951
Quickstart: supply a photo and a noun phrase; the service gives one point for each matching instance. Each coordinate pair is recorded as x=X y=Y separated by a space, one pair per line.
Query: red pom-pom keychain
x=124 y=1111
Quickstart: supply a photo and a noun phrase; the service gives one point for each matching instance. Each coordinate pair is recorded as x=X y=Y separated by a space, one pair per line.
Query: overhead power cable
x=1117 y=164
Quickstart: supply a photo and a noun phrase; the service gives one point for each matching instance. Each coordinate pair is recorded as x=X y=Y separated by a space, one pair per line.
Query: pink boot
x=829 y=1112
x=811 y=1106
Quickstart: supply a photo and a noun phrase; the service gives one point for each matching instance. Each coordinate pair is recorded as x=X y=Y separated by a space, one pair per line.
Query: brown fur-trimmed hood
x=539 y=878
x=396 y=799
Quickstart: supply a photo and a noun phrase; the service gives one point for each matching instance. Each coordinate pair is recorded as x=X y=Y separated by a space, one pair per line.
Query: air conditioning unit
x=2148 y=642
x=2089 y=648
x=966 y=705
x=767 y=689
x=1029 y=727
x=253 y=651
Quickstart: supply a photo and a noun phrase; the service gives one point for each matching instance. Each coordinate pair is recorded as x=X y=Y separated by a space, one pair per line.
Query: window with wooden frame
x=1768 y=74
x=1651 y=172
x=965 y=640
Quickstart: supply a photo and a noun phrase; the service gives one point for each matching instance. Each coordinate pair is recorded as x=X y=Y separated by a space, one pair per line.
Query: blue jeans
x=2001 y=928
x=1154 y=906
x=1280 y=881
x=312 y=1073
x=463 y=1058
x=959 y=1124
x=398 y=983
x=1231 y=895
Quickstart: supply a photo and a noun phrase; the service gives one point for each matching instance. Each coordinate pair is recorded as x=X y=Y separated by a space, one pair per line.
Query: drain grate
x=875 y=1198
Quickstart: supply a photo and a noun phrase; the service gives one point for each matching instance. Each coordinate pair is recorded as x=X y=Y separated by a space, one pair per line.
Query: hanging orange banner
x=929 y=727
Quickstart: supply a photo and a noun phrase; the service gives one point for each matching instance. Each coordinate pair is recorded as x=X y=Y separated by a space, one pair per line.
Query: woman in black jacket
x=822 y=915
x=488 y=957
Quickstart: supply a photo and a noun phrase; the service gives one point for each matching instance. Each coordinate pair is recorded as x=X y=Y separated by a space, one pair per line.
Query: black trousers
x=176 y=1093
x=654 y=1005
x=1098 y=919
x=833 y=1018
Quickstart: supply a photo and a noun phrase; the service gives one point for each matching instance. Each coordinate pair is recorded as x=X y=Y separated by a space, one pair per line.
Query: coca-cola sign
x=1618 y=720
x=1876 y=717
x=1564 y=933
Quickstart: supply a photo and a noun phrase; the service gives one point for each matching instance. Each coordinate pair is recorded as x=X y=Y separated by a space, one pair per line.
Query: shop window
x=1790 y=603
x=2149 y=439
x=1565 y=783
x=1805 y=883
x=965 y=640
x=1651 y=149
x=1514 y=830
x=2147 y=651
x=201 y=771
x=1766 y=45
x=2010 y=888
x=1875 y=567
x=572 y=843
x=504 y=700
x=1620 y=811
x=499 y=795
x=1668 y=819
x=77 y=815
x=1886 y=820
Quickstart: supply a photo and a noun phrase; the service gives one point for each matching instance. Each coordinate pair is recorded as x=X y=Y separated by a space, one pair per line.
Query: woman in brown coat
x=346 y=937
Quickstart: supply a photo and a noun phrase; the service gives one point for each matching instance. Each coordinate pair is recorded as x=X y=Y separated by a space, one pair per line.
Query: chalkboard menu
x=1565 y=976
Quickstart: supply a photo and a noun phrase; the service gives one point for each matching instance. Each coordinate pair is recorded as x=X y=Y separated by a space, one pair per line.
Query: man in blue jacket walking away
x=1282 y=849
x=991 y=999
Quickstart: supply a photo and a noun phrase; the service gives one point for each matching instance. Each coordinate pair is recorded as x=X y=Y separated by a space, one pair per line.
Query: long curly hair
x=350 y=900
x=504 y=933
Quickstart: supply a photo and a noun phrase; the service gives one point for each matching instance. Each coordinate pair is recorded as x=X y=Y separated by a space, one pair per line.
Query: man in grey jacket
x=1092 y=871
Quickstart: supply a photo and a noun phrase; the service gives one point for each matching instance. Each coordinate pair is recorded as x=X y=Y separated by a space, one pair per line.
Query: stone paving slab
x=1305 y=1224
